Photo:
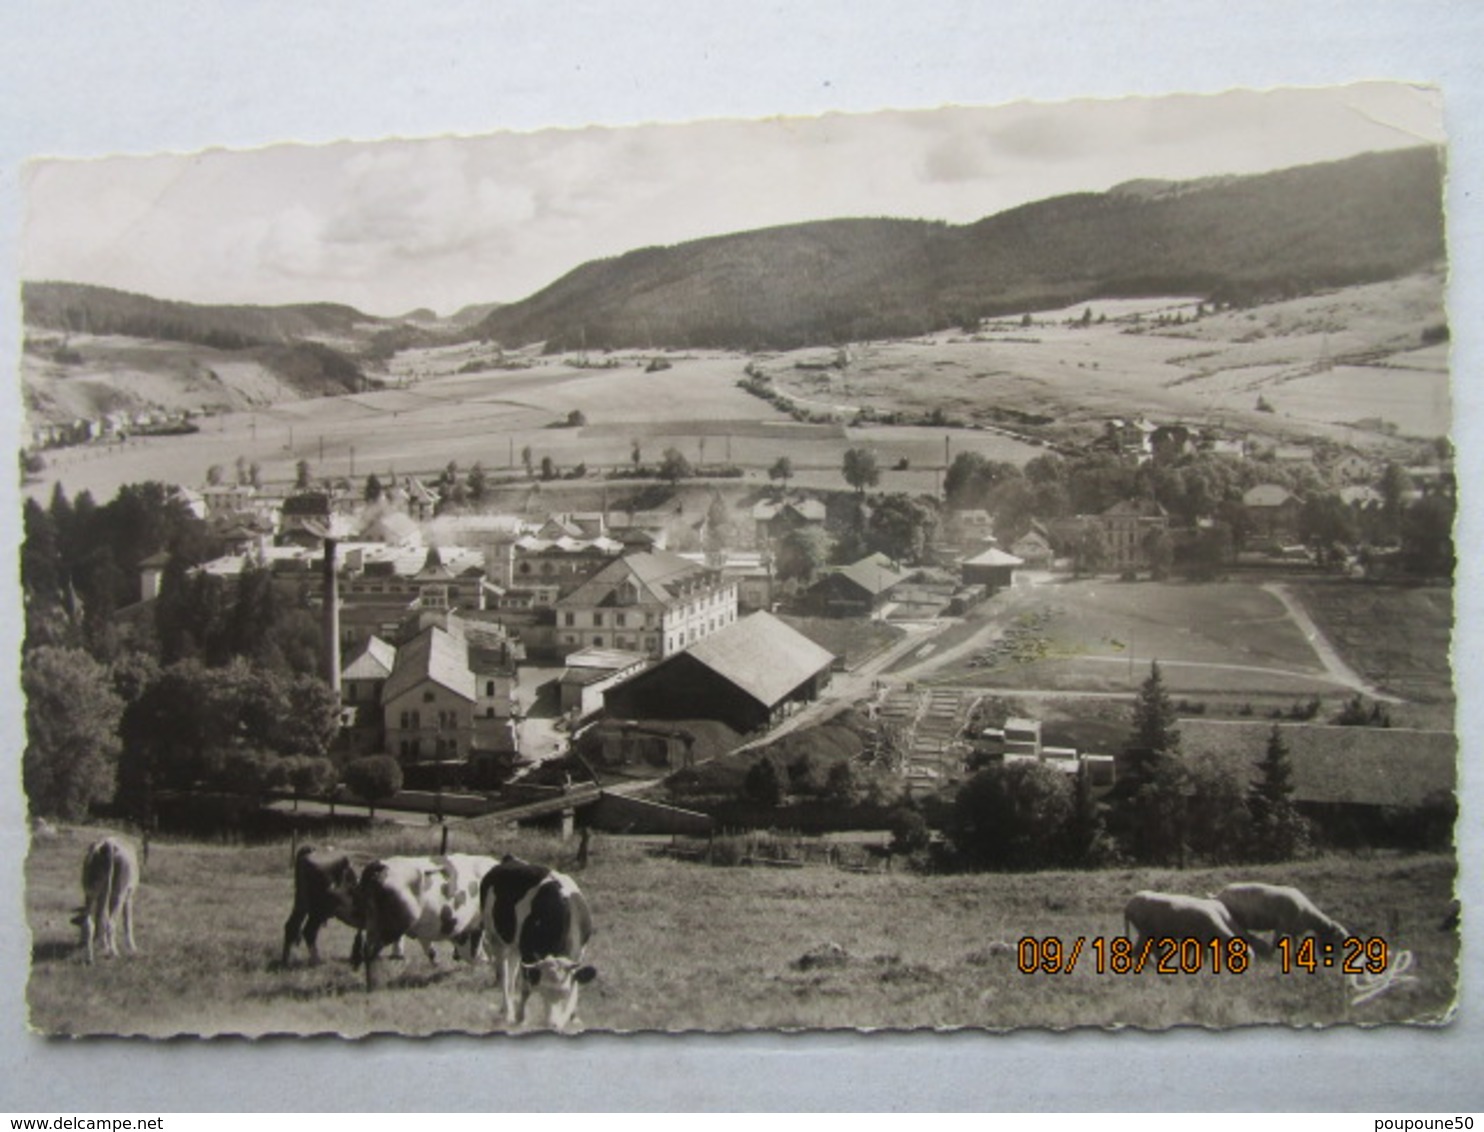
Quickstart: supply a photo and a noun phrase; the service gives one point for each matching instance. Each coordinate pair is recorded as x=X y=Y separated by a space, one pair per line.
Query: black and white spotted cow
x=426 y=898
x=110 y=875
x=536 y=927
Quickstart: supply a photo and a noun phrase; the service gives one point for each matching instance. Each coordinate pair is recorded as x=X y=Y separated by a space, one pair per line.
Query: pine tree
x=1279 y=831
x=1154 y=716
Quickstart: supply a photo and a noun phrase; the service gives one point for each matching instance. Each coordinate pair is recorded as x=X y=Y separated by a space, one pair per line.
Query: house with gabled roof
x=860 y=589
x=1273 y=511
x=428 y=699
x=774 y=518
x=652 y=602
x=748 y=675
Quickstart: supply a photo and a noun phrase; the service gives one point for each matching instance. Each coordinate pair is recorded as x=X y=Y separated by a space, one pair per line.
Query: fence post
x=443 y=841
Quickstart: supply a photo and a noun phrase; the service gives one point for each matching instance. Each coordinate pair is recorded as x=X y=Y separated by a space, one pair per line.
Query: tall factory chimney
x=332 y=618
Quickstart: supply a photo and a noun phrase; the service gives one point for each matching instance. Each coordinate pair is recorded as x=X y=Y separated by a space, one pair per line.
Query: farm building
x=747 y=675
x=991 y=568
x=1361 y=785
x=858 y=590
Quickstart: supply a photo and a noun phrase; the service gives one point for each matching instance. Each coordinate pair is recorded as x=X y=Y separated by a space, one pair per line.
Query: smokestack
x=332 y=618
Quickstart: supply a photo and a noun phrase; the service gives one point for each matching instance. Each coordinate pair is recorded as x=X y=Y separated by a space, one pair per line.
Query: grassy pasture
x=683 y=946
x=1228 y=637
x=1293 y=353
x=694 y=406
x=1396 y=636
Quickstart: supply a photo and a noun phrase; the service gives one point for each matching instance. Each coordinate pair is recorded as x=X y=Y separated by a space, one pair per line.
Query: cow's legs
x=89 y=930
x=311 y=939
x=509 y=966
x=291 y=929
x=129 y=923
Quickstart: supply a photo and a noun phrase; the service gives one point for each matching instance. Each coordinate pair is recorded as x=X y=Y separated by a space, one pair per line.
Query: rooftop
x=432 y=655
x=762 y=656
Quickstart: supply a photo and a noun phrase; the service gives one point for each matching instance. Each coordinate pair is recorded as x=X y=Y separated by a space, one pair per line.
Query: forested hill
x=1367 y=218
x=85 y=309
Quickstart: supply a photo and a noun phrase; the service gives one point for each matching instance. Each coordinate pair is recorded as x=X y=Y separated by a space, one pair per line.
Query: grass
x=854 y=639
x=683 y=946
x=1098 y=634
x=1398 y=637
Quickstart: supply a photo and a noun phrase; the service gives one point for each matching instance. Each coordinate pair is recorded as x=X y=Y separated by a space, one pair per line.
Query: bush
x=1014 y=816
x=766 y=782
x=374 y=779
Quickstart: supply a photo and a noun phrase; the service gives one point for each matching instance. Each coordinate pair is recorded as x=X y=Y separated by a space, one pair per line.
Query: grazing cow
x=536 y=926
x=1157 y=915
x=427 y=898
x=324 y=890
x=1277 y=908
x=110 y=874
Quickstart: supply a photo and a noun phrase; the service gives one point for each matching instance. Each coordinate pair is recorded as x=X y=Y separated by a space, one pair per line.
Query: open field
x=1100 y=635
x=491 y=416
x=1396 y=636
x=682 y=946
x=1323 y=362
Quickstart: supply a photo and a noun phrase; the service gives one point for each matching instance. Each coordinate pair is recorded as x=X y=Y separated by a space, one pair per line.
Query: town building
x=1126 y=525
x=1273 y=512
x=428 y=699
x=652 y=602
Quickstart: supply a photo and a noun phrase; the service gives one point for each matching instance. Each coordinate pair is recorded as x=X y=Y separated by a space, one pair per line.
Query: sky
x=391 y=226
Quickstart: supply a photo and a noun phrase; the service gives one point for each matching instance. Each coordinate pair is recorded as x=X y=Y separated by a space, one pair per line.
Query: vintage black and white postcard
x=979 y=568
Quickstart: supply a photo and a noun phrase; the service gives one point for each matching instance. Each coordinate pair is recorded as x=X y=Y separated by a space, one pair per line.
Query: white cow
x=1157 y=915
x=1280 y=909
x=427 y=898
x=110 y=874
x=537 y=926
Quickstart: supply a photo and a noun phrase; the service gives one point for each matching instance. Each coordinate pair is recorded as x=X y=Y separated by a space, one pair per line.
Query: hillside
x=86 y=309
x=1367 y=218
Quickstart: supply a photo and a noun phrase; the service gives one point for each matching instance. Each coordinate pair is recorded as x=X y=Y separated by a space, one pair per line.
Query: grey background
x=136 y=76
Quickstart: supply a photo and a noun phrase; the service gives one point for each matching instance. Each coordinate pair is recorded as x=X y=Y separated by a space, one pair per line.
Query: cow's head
x=557 y=980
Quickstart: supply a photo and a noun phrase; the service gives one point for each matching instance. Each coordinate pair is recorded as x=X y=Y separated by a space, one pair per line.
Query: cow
x=324 y=890
x=1160 y=915
x=536 y=928
x=427 y=898
x=110 y=874
x=1277 y=908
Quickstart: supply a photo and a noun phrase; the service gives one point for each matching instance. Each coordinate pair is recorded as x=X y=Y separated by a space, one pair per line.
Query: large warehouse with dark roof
x=745 y=675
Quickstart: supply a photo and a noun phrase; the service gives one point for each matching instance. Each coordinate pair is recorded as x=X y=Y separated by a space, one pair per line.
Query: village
x=502 y=658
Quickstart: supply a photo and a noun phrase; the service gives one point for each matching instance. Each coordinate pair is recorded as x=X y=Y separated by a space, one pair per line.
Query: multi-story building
x=654 y=602
x=428 y=699
x=1125 y=527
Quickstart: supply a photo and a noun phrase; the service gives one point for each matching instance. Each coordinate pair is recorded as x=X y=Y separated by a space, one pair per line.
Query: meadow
x=1322 y=363
x=1100 y=635
x=685 y=946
